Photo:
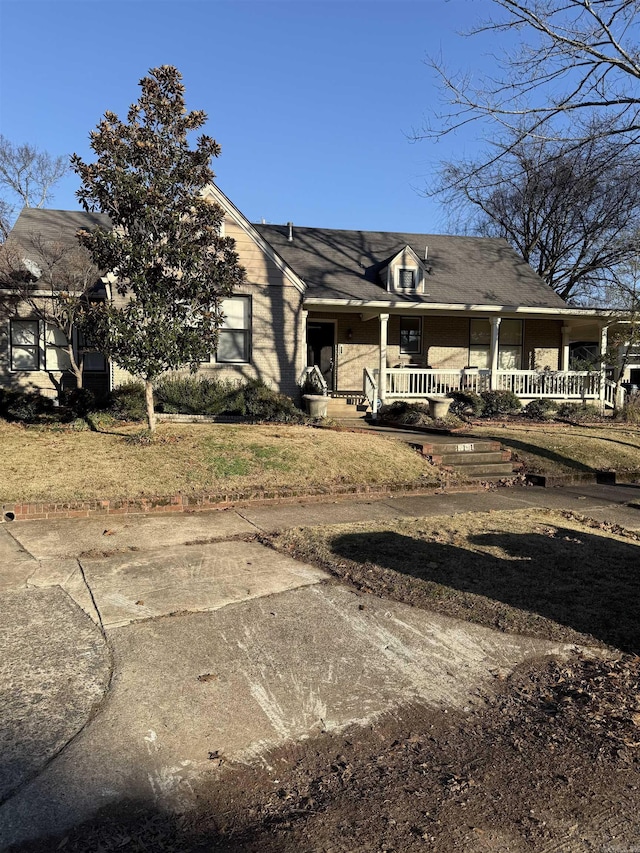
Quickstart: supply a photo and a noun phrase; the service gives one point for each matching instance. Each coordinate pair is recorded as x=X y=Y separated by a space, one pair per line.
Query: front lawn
x=566 y=449
x=54 y=464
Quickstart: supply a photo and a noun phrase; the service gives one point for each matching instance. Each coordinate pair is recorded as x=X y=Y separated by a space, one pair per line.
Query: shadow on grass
x=580 y=580
x=543 y=452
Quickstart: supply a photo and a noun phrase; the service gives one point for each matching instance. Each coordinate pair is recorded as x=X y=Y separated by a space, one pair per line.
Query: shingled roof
x=56 y=225
x=344 y=265
x=340 y=265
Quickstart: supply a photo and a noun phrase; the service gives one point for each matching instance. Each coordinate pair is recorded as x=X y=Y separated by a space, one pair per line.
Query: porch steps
x=347 y=406
x=473 y=460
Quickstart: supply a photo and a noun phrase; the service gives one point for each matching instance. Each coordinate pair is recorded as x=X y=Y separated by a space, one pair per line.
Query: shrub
x=499 y=403
x=79 y=402
x=127 y=403
x=540 y=410
x=191 y=395
x=312 y=385
x=261 y=403
x=415 y=414
x=24 y=406
x=630 y=413
x=401 y=412
x=578 y=412
x=466 y=404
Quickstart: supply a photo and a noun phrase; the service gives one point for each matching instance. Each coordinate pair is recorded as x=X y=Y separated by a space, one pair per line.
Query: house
x=379 y=315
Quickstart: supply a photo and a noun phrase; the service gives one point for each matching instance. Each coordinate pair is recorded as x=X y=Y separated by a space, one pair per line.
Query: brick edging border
x=181 y=503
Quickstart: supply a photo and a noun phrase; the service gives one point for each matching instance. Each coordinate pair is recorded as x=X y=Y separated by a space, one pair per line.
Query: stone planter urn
x=316 y=405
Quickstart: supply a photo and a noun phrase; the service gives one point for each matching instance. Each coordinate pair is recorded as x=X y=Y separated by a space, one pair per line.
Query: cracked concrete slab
x=54 y=669
x=70 y=537
x=135 y=586
x=17 y=564
x=273 y=518
x=245 y=678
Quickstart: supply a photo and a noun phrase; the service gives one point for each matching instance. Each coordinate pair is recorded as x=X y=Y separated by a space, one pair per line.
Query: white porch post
x=304 y=315
x=382 y=378
x=493 y=352
x=602 y=352
x=564 y=355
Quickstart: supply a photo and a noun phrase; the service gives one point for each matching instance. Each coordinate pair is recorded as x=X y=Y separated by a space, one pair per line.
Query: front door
x=321 y=349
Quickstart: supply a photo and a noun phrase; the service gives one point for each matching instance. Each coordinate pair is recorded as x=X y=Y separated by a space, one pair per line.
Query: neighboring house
x=382 y=314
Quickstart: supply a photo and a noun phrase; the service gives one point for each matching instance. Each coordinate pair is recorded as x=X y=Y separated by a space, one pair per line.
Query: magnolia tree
x=169 y=263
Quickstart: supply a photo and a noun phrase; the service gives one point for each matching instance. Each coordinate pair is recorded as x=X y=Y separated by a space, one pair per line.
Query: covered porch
x=414 y=352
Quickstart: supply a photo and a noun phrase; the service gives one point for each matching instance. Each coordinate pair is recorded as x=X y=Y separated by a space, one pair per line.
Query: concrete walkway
x=135 y=649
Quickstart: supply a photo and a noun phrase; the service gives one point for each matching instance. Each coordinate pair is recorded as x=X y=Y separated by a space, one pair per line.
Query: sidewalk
x=137 y=647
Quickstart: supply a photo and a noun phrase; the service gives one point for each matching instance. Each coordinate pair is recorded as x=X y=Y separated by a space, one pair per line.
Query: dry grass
x=55 y=465
x=565 y=449
x=536 y=572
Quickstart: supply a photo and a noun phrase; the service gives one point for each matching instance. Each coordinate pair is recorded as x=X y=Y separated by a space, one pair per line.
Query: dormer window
x=404 y=273
x=407 y=278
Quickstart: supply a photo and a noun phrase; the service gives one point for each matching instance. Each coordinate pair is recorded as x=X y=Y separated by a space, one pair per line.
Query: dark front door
x=321 y=349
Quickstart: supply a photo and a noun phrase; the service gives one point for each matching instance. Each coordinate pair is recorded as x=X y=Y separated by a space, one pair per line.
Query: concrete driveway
x=138 y=648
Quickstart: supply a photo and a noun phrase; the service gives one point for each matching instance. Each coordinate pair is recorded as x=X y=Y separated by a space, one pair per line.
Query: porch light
x=349 y=334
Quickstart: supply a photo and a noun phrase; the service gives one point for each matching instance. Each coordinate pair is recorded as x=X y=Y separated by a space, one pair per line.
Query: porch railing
x=313 y=375
x=529 y=384
x=564 y=385
x=418 y=382
x=370 y=389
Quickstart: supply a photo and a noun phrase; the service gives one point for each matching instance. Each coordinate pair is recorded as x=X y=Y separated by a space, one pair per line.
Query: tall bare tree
x=576 y=59
x=27 y=176
x=53 y=282
x=571 y=213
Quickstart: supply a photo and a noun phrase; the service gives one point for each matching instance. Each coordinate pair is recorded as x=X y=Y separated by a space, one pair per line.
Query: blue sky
x=312 y=102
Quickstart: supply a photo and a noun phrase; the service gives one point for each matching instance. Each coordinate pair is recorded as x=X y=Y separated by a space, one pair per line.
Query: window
x=479 y=343
x=24 y=344
x=509 y=344
x=92 y=360
x=410 y=335
x=406 y=278
x=234 y=337
x=510 y=349
x=56 y=355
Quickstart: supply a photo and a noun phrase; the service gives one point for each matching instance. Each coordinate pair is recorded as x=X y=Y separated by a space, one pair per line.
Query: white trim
x=450 y=307
x=242 y=222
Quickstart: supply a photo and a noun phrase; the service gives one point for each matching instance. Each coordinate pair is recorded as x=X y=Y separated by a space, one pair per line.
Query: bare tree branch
x=569 y=211
x=27 y=177
x=578 y=57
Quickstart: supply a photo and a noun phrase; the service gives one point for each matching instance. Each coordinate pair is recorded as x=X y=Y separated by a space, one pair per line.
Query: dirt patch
x=550 y=763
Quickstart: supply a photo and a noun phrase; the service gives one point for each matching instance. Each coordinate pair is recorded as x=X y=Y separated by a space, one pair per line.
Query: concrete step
x=463 y=445
x=484 y=457
x=495 y=470
x=346 y=406
x=473 y=460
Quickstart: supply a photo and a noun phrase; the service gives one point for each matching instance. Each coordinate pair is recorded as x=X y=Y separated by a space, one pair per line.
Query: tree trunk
x=75 y=367
x=148 y=395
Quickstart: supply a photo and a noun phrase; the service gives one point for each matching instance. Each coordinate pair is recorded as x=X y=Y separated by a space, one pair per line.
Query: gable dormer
x=405 y=273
